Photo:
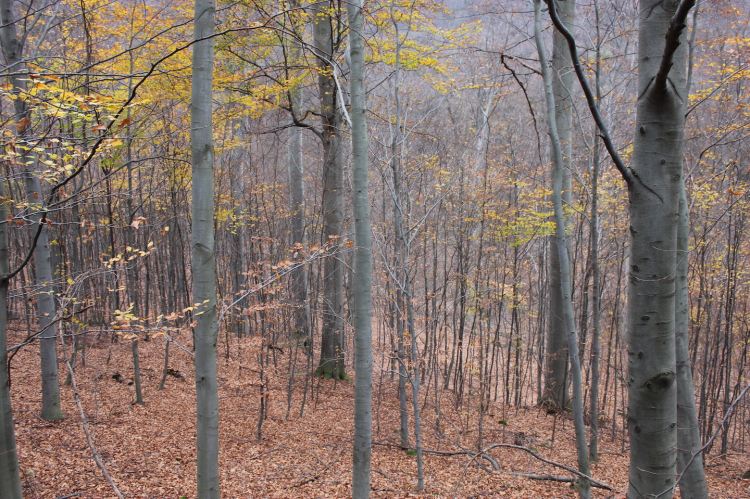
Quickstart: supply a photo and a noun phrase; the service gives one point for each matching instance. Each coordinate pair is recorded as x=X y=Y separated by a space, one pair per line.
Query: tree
x=561 y=248
x=13 y=50
x=204 y=252
x=363 y=258
x=655 y=181
x=295 y=170
x=556 y=381
x=332 y=341
x=10 y=479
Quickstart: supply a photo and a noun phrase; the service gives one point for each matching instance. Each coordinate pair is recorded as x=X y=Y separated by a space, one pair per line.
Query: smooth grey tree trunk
x=557 y=380
x=203 y=252
x=301 y=329
x=10 y=479
x=13 y=50
x=332 y=338
x=693 y=481
x=584 y=487
x=655 y=180
x=362 y=260
x=654 y=217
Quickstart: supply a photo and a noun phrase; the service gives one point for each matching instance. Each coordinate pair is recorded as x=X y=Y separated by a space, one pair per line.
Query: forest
x=374 y=248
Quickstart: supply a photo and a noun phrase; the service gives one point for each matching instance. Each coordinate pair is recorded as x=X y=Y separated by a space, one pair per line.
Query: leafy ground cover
x=149 y=449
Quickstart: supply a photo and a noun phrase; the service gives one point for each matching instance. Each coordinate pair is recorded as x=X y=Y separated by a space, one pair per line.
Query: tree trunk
x=13 y=49
x=362 y=262
x=654 y=217
x=557 y=381
x=295 y=169
x=693 y=482
x=584 y=486
x=332 y=339
x=10 y=479
x=203 y=253
x=596 y=291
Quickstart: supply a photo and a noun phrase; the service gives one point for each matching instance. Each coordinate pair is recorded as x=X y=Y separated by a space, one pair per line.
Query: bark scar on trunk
x=660 y=381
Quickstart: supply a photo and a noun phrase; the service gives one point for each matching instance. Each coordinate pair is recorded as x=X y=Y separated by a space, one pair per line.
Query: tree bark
x=557 y=381
x=13 y=49
x=10 y=479
x=693 y=482
x=584 y=485
x=362 y=260
x=654 y=217
x=203 y=252
x=295 y=169
x=332 y=339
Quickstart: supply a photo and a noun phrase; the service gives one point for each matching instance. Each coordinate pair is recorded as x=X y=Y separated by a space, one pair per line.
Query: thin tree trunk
x=295 y=170
x=584 y=489
x=693 y=482
x=203 y=253
x=557 y=381
x=46 y=309
x=362 y=261
x=596 y=291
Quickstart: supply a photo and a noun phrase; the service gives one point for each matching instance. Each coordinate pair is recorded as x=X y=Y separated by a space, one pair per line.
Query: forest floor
x=149 y=450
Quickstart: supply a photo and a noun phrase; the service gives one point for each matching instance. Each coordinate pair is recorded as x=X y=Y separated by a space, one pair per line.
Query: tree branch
x=676 y=25
x=627 y=173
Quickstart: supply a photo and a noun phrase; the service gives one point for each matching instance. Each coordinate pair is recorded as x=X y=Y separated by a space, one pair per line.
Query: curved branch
x=627 y=173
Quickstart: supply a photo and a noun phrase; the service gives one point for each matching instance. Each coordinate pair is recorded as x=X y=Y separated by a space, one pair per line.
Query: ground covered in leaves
x=149 y=450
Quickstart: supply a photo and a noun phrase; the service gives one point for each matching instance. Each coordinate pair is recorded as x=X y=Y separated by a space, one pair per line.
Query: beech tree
x=13 y=50
x=557 y=380
x=325 y=23
x=655 y=182
x=204 y=252
x=363 y=258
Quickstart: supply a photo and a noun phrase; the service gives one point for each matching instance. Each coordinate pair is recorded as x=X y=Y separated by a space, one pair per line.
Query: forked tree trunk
x=203 y=252
x=654 y=216
x=362 y=261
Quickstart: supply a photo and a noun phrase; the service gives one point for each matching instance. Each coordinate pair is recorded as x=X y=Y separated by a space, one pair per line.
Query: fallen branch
x=484 y=455
x=85 y=425
x=569 y=469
